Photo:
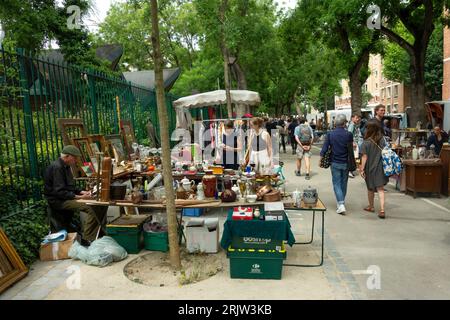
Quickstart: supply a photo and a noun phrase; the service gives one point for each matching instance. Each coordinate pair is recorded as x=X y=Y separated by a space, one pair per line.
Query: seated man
x=61 y=194
x=437 y=138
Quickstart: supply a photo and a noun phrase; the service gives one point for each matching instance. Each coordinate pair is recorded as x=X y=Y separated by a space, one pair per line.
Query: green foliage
x=434 y=65
x=25 y=229
x=33 y=24
x=129 y=24
x=397 y=62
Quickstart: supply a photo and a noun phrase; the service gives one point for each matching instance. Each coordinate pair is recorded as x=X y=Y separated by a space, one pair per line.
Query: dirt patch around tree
x=154 y=270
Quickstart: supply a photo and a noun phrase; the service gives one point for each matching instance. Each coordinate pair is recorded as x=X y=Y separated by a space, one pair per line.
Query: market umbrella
x=211 y=98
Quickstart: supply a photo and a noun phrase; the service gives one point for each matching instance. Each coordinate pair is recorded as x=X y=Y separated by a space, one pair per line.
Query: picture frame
x=68 y=126
x=12 y=268
x=84 y=146
x=101 y=143
x=116 y=147
x=127 y=132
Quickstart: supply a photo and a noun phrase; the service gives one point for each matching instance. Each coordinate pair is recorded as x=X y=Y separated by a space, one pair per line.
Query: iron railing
x=34 y=93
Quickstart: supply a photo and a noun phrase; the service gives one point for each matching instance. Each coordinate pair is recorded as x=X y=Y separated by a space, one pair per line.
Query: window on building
x=389 y=92
x=396 y=91
x=388 y=108
x=383 y=93
x=395 y=108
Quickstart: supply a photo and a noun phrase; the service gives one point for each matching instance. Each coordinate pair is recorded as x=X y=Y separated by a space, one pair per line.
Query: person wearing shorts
x=304 y=136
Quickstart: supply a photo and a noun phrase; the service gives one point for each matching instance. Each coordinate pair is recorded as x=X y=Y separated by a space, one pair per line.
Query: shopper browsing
x=304 y=136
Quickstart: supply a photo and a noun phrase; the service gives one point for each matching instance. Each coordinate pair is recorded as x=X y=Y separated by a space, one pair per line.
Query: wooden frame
x=127 y=132
x=116 y=147
x=100 y=140
x=85 y=148
x=65 y=123
x=12 y=268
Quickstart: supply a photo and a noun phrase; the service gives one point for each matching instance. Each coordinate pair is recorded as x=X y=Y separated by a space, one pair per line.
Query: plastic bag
x=108 y=245
x=100 y=260
x=100 y=253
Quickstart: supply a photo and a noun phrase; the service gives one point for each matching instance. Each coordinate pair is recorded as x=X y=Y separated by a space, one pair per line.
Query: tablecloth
x=276 y=230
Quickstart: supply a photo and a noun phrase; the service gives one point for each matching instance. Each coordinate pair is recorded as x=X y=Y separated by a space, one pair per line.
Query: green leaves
x=25 y=230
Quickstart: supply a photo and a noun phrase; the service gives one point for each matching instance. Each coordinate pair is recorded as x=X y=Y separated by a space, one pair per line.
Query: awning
x=218 y=97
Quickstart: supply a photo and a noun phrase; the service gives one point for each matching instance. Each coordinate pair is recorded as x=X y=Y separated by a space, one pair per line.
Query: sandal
x=369 y=209
x=381 y=215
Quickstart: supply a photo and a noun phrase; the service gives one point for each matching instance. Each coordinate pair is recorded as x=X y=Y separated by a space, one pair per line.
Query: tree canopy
x=295 y=57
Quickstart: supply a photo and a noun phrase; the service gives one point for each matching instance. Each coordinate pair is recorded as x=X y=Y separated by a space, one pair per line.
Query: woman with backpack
x=371 y=168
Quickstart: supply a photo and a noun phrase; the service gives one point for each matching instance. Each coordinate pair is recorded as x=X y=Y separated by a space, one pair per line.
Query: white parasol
x=212 y=98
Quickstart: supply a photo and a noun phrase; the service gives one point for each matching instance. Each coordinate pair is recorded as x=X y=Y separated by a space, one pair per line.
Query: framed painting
x=98 y=143
x=86 y=152
x=116 y=147
x=127 y=131
x=12 y=268
x=70 y=129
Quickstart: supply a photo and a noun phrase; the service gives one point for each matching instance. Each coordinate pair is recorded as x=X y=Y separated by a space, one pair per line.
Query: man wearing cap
x=61 y=194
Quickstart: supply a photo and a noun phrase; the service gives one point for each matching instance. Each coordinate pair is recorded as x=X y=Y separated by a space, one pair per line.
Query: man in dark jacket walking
x=339 y=139
x=291 y=132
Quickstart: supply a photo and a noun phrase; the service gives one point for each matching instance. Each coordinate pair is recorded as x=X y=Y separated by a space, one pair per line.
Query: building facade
x=393 y=95
x=446 y=83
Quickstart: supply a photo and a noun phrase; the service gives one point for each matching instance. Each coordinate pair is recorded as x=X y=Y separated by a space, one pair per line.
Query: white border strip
x=435 y=204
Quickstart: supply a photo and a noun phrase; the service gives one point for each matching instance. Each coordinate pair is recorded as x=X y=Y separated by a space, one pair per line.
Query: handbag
x=392 y=164
x=351 y=157
x=325 y=162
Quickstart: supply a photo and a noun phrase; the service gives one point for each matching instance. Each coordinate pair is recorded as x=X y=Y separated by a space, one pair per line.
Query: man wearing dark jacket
x=291 y=133
x=338 y=140
x=61 y=194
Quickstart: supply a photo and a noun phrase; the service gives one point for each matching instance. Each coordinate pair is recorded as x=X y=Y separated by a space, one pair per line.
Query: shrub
x=25 y=229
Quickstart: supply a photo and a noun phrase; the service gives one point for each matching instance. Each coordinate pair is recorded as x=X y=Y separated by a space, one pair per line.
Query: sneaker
x=351 y=175
x=341 y=209
x=307 y=177
x=298 y=174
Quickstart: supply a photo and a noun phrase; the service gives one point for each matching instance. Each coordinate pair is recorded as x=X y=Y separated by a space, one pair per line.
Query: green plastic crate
x=256 y=243
x=130 y=238
x=256 y=263
x=156 y=241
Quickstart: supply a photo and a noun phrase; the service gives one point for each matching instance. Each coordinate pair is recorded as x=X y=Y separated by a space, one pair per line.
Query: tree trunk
x=226 y=72
x=225 y=54
x=357 y=81
x=241 y=80
x=165 y=142
x=418 y=91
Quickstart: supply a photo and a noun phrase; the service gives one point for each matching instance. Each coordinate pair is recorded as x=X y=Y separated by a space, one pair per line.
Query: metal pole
x=28 y=120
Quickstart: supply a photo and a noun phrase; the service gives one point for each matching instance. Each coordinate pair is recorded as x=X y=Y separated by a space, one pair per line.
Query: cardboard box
x=202 y=235
x=57 y=250
x=246 y=214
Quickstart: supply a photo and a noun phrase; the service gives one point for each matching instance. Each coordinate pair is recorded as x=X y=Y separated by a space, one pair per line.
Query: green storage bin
x=256 y=263
x=256 y=243
x=156 y=241
x=128 y=232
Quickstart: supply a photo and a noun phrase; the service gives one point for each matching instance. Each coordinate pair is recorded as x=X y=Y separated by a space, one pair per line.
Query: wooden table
x=207 y=204
x=423 y=176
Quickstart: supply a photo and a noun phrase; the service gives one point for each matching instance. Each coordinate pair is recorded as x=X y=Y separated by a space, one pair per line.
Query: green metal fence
x=34 y=93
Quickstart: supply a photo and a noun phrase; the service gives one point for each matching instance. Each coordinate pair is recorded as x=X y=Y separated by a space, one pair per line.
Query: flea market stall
x=127 y=178
x=423 y=168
